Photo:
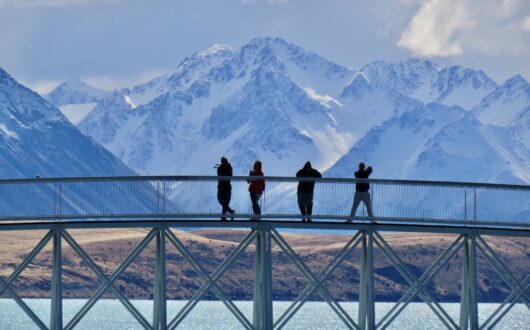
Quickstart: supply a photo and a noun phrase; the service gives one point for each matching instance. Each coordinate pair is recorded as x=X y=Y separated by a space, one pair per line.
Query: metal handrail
x=461 y=184
x=194 y=197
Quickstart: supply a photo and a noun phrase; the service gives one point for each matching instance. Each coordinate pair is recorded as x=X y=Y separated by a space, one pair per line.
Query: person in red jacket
x=256 y=188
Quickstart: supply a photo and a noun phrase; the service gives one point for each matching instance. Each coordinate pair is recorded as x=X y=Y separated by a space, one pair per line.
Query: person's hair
x=257 y=165
x=224 y=160
x=361 y=165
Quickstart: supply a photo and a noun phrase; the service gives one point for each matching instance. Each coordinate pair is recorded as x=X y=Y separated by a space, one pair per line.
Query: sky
x=120 y=43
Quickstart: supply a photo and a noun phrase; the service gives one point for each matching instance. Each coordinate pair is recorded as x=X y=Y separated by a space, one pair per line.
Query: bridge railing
x=195 y=197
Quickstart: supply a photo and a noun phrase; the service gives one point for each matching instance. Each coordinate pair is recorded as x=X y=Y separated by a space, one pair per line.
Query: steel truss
x=263 y=234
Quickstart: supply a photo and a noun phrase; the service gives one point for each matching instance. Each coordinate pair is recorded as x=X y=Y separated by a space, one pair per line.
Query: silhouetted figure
x=256 y=188
x=362 y=192
x=224 y=188
x=305 y=191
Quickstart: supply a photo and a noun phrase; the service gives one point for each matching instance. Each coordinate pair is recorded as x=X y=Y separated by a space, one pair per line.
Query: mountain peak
x=216 y=48
x=75 y=91
x=515 y=81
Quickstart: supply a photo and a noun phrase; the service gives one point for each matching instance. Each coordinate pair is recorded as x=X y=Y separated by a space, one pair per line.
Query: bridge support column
x=56 y=317
x=366 y=287
x=468 y=303
x=159 y=303
x=263 y=279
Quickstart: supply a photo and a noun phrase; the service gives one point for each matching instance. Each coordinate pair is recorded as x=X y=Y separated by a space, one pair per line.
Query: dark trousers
x=305 y=203
x=255 y=203
x=224 y=196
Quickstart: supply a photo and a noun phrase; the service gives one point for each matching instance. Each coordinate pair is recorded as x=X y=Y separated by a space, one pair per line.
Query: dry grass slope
x=109 y=248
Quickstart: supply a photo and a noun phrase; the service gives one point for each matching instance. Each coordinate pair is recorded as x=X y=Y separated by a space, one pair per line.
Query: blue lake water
x=110 y=314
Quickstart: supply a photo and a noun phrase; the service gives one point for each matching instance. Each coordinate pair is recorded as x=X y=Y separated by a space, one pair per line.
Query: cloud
x=451 y=27
x=51 y=3
x=526 y=23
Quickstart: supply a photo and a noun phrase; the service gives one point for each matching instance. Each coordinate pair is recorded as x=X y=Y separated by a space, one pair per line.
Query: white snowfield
x=274 y=101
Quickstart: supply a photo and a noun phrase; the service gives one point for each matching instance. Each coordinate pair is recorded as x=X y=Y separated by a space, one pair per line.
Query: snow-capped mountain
x=467 y=150
x=75 y=92
x=75 y=99
x=508 y=106
x=37 y=140
x=429 y=82
x=436 y=142
x=394 y=146
x=256 y=103
x=274 y=101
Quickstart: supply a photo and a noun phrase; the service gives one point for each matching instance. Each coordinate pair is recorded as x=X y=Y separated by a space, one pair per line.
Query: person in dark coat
x=362 y=191
x=305 y=191
x=224 y=188
x=256 y=188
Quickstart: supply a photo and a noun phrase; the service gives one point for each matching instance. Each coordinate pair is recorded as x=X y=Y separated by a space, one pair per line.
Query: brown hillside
x=108 y=248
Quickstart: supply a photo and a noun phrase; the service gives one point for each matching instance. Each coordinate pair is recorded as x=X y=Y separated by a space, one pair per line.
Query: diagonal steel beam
x=505 y=307
x=29 y=258
x=221 y=269
x=23 y=305
x=321 y=277
x=412 y=280
x=6 y=284
x=400 y=305
x=323 y=292
x=208 y=280
x=502 y=269
x=108 y=282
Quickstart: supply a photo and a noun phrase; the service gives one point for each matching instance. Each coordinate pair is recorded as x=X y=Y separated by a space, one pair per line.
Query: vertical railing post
x=263 y=279
x=366 y=318
x=468 y=303
x=56 y=317
x=159 y=303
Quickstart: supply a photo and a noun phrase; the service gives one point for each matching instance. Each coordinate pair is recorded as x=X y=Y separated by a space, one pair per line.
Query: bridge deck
x=395 y=202
x=468 y=210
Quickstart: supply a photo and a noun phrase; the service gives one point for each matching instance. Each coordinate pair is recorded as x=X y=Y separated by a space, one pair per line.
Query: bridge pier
x=468 y=305
x=263 y=279
x=366 y=318
x=159 y=298
x=56 y=317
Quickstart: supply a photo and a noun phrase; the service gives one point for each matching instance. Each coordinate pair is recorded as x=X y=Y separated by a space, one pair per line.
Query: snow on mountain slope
x=436 y=142
x=76 y=112
x=36 y=139
x=394 y=146
x=461 y=86
x=508 y=106
x=250 y=104
x=429 y=82
x=520 y=129
x=466 y=150
x=75 y=99
x=502 y=106
x=274 y=101
x=74 y=92
x=369 y=105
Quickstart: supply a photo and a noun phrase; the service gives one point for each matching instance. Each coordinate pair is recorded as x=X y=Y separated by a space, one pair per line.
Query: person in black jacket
x=305 y=191
x=224 y=188
x=362 y=192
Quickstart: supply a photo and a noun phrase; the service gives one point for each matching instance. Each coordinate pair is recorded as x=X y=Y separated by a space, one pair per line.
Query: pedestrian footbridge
x=162 y=203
